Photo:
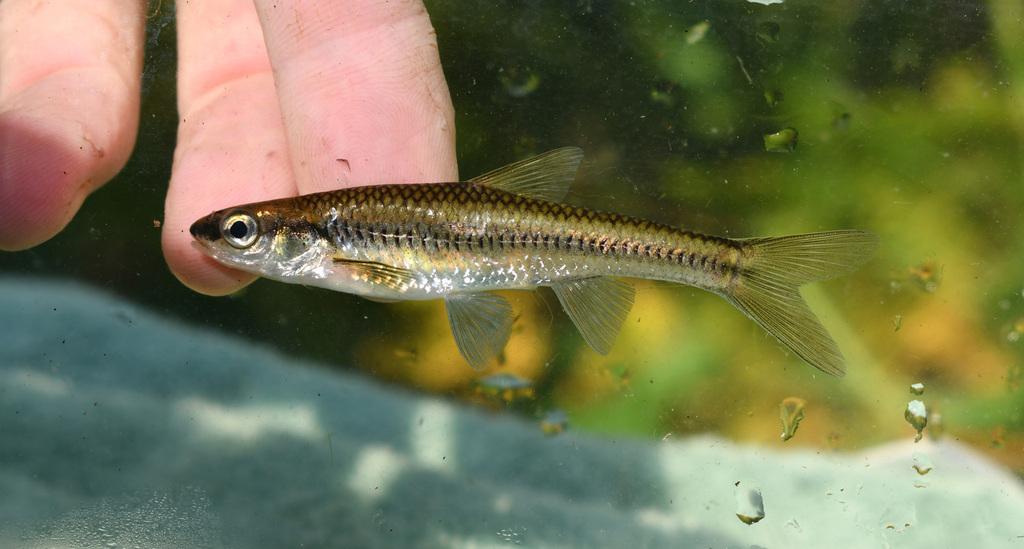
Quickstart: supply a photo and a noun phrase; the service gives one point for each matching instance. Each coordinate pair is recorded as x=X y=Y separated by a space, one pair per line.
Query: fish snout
x=205 y=230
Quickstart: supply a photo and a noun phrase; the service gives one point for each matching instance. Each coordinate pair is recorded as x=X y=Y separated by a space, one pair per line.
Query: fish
x=509 y=230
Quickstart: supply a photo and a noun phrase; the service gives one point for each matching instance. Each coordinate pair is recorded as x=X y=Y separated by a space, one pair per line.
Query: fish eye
x=239 y=229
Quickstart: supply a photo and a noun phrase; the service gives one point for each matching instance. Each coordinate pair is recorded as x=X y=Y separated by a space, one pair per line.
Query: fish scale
x=508 y=229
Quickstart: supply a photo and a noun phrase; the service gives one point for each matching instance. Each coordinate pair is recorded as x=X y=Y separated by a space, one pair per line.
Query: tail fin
x=774 y=270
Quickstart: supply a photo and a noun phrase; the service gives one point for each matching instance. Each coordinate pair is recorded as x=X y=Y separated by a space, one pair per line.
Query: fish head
x=263 y=240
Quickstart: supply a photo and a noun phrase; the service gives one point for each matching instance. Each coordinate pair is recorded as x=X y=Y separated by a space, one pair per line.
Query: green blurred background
x=908 y=121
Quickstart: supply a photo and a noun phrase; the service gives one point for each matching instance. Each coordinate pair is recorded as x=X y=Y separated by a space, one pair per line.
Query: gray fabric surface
x=120 y=427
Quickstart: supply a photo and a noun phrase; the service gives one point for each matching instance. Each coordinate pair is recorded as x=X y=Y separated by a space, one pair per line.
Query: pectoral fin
x=388 y=276
x=544 y=177
x=598 y=307
x=481 y=323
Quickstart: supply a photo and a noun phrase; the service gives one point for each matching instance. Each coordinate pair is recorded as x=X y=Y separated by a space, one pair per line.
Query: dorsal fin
x=543 y=177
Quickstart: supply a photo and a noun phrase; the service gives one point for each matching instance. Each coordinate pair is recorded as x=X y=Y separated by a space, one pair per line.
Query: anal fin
x=481 y=323
x=597 y=306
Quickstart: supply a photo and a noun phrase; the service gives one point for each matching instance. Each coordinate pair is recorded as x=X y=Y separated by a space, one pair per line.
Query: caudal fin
x=774 y=270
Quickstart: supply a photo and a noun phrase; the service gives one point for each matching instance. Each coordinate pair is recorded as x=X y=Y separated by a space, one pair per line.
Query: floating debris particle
x=999 y=437
x=1014 y=332
x=841 y=120
x=922 y=464
x=791 y=411
x=782 y=141
x=620 y=374
x=662 y=98
x=773 y=97
x=1014 y=374
x=554 y=421
x=749 y=503
x=917 y=417
x=519 y=82
x=917 y=389
x=924 y=276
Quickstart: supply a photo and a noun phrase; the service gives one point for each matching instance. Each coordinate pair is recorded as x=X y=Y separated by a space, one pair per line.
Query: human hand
x=70 y=74
x=274 y=100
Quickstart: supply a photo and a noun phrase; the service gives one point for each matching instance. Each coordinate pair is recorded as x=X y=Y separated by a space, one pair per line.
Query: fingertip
x=386 y=110
x=69 y=108
x=44 y=178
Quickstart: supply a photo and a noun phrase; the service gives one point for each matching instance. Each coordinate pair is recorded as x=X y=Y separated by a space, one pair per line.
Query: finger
x=70 y=74
x=231 y=147
x=362 y=92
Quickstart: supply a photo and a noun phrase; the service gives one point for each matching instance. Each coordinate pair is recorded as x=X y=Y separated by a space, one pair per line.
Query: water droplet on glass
x=696 y=33
x=769 y=32
x=505 y=381
x=917 y=389
x=917 y=417
x=791 y=411
x=508 y=387
x=922 y=464
x=898 y=517
x=772 y=96
x=782 y=141
x=512 y=535
x=749 y=503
